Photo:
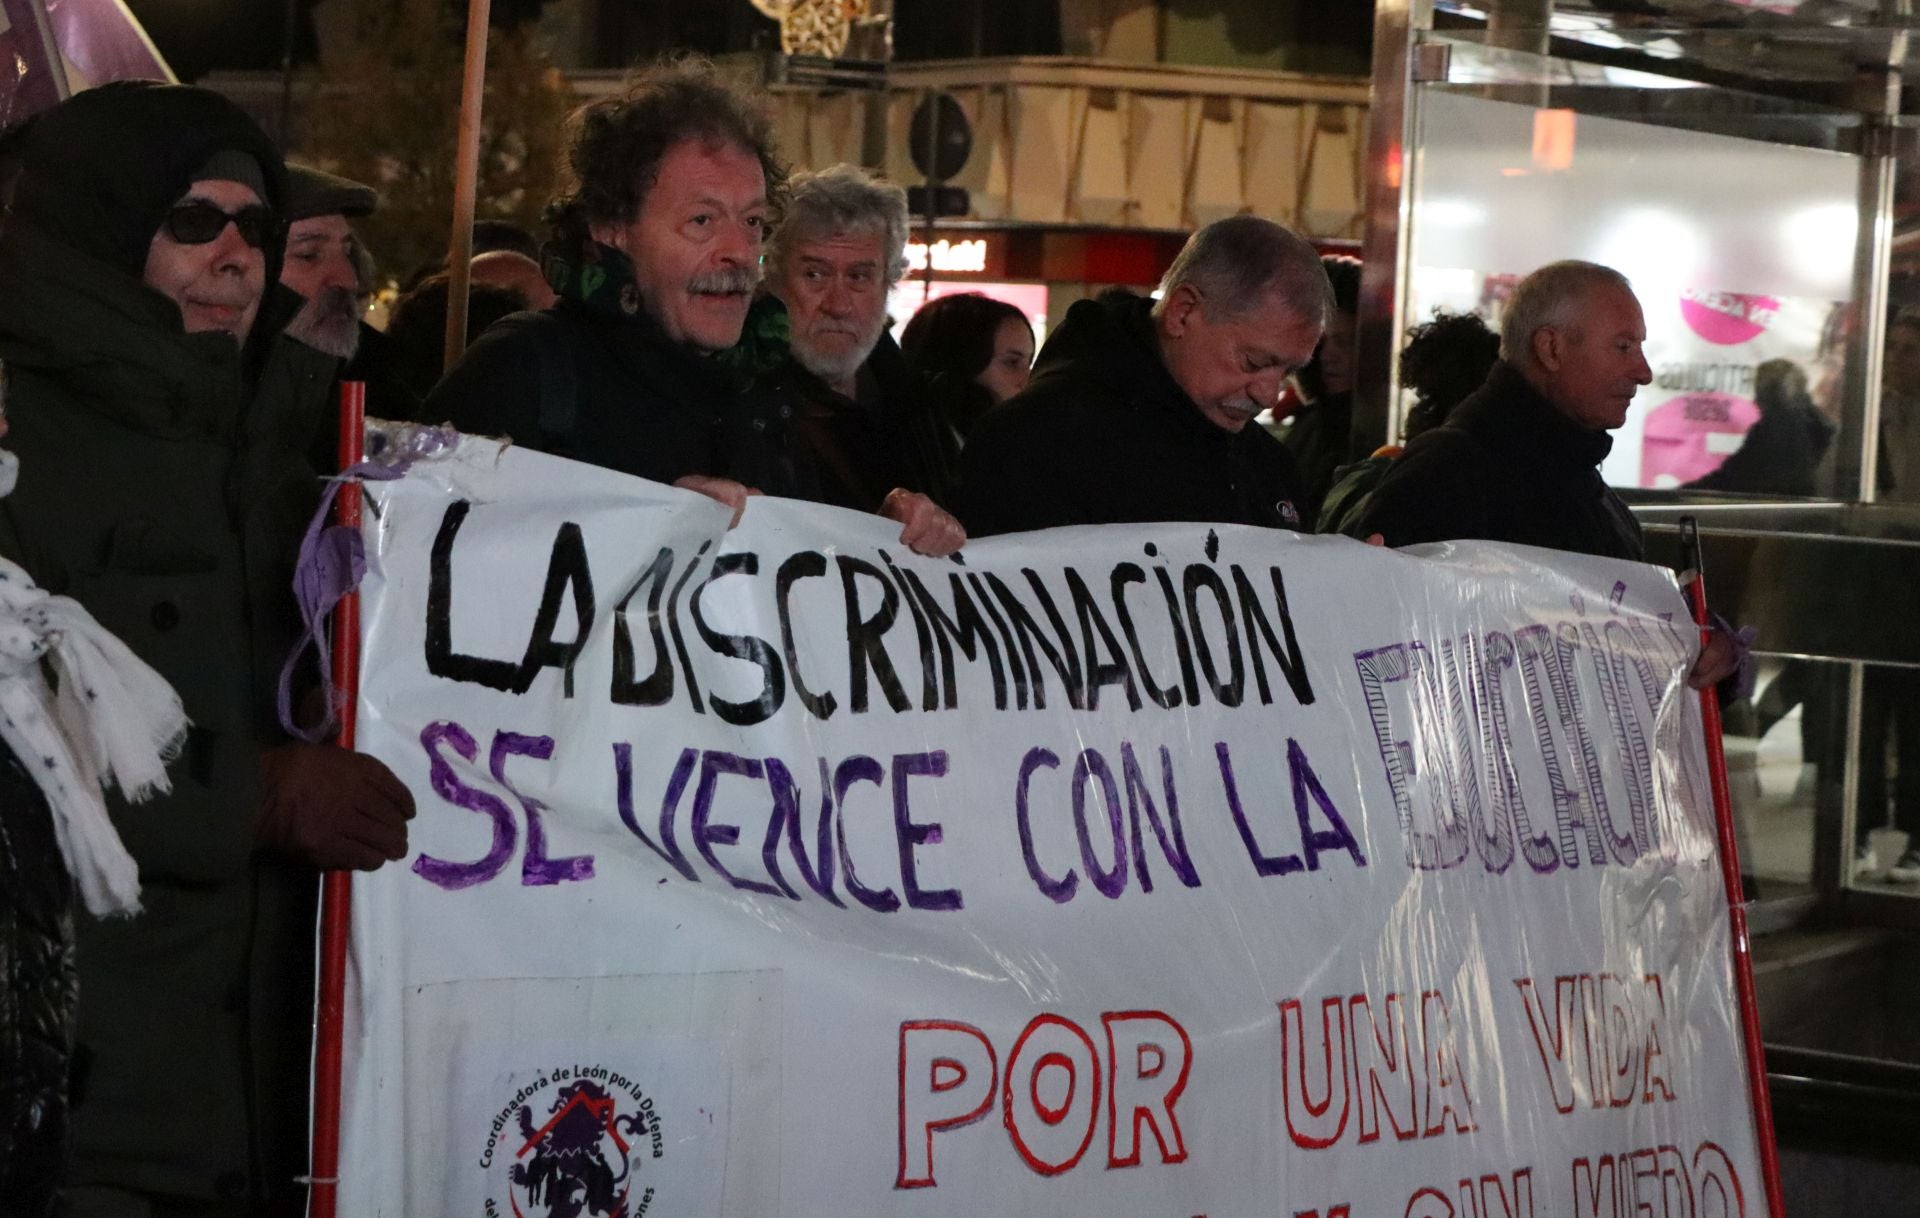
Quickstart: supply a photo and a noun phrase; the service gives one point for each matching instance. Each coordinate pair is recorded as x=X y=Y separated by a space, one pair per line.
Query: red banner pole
x=336 y=887
x=1737 y=919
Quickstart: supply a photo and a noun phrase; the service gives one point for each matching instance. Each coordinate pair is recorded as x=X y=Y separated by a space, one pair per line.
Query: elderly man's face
x=835 y=290
x=695 y=243
x=217 y=283
x=1594 y=364
x=1233 y=367
x=319 y=266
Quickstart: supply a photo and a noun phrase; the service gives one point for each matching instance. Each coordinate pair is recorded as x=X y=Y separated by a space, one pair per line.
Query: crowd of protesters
x=177 y=306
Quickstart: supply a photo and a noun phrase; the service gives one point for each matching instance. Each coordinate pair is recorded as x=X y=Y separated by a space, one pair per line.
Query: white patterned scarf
x=106 y=718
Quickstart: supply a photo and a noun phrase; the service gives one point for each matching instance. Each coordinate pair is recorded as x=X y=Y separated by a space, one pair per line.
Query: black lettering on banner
x=929 y=675
x=1293 y=666
x=866 y=637
x=566 y=569
x=965 y=629
x=754 y=650
x=657 y=688
x=807 y=564
x=1131 y=573
x=679 y=640
x=1094 y=635
x=1066 y=667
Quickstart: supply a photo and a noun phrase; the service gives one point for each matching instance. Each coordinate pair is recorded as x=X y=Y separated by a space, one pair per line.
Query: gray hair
x=1236 y=262
x=1549 y=297
x=843 y=199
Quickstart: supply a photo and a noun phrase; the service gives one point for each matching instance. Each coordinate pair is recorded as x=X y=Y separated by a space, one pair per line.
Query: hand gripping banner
x=1156 y=871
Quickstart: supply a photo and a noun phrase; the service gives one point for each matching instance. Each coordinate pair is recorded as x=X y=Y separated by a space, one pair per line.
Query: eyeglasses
x=196 y=223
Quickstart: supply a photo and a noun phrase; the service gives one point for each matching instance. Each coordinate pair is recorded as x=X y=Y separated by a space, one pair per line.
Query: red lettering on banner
x=1338 y=1211
x=1658 y=1182
x=1161 y=1056
x=1324 y=1077
x=1310 y=1124
x=948 y=1056
x=1447 y=1095
x=1486 y=1197
x=1070 y=1069
x=1374 y=1046
x=1050 y=1093
x=1600 y=1040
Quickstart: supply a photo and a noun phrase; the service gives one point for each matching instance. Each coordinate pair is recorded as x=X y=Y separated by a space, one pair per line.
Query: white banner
x=1156 y=871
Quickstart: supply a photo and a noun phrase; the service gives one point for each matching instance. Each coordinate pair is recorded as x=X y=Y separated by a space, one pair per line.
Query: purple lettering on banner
x=850 y=771
x=909 y=834
x=707 y=834
x=1537 y=848
x=1623 y=847
x=676 y=785
x=1091 y=766
x=1610 y=666
x=1058 y=891
x=818 y=871
x=1307 y=785
x=536 y=869
x=1139 y=796
x=1427 y=850
x=1263 y=863
x=1463 y=676
x=447 y=785
x=1539 y=652
x=1493 y=838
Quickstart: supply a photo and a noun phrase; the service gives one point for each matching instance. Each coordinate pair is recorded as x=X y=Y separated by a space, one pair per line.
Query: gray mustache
x=736 y=280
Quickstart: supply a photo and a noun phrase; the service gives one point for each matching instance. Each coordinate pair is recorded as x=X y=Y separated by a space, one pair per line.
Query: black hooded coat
x=142 y=448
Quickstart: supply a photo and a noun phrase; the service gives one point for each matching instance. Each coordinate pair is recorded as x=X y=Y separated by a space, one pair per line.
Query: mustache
x=339 y=301
x=733 y=281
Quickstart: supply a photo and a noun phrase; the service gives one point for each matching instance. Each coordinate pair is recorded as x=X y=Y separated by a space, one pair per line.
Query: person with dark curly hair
x=1444 y=360
x=655 y=259
x=973 y=352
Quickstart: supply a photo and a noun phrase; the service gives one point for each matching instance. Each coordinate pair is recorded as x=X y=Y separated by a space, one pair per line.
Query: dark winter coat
x=607 y=389
x=1506 y=466
x=1103 y=434
x=138 y=446
x=1779 y=455
x=37 y=998
x=1319 y=435
x=827 y=448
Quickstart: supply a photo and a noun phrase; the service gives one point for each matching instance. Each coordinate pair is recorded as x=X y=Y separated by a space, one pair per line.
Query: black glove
x=332 y=807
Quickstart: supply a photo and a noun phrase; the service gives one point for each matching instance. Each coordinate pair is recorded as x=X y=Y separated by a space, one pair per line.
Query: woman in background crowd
x=972 y=351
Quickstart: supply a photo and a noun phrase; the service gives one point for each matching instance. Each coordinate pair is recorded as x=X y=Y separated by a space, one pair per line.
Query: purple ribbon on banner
x=332 y=562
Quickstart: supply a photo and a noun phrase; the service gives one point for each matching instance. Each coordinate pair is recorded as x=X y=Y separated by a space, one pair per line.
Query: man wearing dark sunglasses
x=144 y=237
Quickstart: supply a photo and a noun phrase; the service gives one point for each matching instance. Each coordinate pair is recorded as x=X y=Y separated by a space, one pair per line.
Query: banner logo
x=575 y=1145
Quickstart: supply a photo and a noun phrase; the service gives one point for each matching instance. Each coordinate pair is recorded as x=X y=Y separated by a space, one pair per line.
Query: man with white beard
x=319 y=263
x=858 y=432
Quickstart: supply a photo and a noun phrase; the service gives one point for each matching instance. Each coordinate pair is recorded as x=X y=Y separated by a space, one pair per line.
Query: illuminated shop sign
x=966 y=257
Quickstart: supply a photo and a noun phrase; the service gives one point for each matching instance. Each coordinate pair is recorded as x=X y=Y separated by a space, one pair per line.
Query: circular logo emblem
x=572 y=1144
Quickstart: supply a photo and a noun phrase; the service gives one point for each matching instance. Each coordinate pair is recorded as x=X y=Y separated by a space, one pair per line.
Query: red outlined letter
x=1148 y=1057
x=948 y=1073
x=1040 y=1111
x=1317 y=1125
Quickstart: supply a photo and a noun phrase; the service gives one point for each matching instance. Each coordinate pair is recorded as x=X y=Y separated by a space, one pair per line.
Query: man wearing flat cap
x=319 y=263
x=145 y=232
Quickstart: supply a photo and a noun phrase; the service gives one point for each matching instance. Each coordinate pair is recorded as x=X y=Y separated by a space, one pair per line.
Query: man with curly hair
x=655 y=260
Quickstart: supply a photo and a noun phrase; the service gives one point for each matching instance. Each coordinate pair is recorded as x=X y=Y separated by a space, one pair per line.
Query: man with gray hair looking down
x=855 y=429
x=1142 y=410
